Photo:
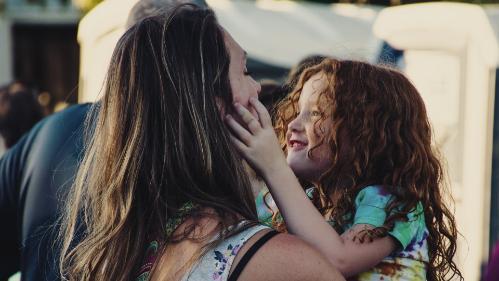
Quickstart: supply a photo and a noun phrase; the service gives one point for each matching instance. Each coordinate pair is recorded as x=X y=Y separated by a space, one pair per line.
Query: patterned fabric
x=171 y=225
x=409 y=262
x=177 y=220
x=223 y=258
x=150 y=255
x=265 y=207
x=214 y=265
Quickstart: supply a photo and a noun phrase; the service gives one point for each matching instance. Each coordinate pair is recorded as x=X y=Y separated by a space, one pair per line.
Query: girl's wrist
x=278 y=175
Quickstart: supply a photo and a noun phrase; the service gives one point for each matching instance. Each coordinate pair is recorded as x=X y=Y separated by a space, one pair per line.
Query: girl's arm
x=259 y=146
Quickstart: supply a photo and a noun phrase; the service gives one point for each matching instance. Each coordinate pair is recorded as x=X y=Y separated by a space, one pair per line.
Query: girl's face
x=307 y=131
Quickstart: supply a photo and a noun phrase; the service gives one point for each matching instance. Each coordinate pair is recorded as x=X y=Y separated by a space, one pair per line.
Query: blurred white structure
x=98 y=33
x=283 y=32
x=5 y=51
x=451 y=55
x=276 y=32
x=492 y=12
x=2 y=146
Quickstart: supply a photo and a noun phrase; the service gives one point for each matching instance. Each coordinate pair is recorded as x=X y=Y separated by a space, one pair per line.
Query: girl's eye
x=316 y=113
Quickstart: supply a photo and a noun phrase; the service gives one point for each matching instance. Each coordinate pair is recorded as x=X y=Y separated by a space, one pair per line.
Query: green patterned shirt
x=409 y=262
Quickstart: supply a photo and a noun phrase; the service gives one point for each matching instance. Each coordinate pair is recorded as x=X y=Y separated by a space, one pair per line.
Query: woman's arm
x=259 y=146
x=287 y=258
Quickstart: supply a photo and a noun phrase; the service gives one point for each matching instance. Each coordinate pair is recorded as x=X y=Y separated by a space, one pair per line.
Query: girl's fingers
x=240 y=146
x=263 y=113
x=239 y=131
x=251 y=122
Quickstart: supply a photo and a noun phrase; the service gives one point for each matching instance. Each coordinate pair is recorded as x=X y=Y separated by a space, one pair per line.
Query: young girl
x=360 y=135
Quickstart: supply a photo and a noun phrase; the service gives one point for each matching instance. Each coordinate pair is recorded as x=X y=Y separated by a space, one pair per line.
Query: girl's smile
x=308 y=155
x=296 y=145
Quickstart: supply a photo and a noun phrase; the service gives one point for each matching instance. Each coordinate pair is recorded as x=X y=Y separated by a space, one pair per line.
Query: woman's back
x=256 y=253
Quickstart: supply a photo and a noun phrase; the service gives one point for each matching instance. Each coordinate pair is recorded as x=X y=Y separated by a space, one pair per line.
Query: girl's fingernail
x=228 y=116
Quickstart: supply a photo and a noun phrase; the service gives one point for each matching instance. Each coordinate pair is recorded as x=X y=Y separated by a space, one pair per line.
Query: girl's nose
x=295 y=125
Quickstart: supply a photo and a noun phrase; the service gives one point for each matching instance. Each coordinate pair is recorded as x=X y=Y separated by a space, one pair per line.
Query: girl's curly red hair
x=380 y=135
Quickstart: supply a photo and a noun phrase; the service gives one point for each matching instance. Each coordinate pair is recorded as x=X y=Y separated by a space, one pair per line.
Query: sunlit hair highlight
x=156 y=141
x=380 y=135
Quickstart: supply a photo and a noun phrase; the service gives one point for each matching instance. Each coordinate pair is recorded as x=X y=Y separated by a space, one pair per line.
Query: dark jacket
x=34 y=174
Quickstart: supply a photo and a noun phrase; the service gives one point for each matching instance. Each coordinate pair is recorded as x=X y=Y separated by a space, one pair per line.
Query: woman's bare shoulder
x=286 y=257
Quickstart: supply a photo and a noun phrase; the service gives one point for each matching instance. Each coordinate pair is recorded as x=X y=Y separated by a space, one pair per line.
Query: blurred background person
x=272 y=92
x=296 y=71
x=492 y=268
x=19 y=111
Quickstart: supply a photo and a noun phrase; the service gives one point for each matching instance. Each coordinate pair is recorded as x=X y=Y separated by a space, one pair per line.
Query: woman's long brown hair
x=157 y=140
x=380 y=136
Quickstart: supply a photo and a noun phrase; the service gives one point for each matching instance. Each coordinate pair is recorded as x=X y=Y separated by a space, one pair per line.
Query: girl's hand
x=258 y=144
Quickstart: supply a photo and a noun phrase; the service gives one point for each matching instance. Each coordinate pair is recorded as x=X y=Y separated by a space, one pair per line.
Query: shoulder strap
x=250 y=253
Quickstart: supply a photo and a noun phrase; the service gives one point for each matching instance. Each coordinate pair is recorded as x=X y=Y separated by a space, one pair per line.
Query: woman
x=161 y=192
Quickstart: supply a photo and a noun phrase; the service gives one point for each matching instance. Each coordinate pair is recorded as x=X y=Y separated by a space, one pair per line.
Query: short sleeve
x=405 y=231
x=263 y=211
x=371 y=205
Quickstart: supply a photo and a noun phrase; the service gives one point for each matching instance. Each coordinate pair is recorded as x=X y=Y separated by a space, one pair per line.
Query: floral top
x=214 y=265
x=409 y=262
